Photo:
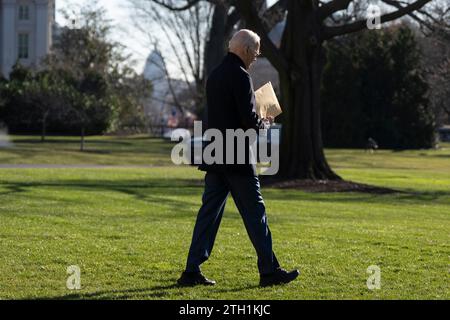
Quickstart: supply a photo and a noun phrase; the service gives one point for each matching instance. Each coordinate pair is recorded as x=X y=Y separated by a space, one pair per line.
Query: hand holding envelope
x=267 y=105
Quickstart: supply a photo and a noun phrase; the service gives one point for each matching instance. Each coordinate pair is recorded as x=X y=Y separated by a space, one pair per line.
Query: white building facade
x=25 y=32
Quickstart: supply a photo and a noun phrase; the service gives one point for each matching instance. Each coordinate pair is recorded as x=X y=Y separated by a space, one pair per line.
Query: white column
x=9 y=43
x=43 y=30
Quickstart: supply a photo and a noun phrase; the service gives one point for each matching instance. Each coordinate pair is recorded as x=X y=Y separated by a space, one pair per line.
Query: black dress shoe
x=280 y=276
x=194 y=279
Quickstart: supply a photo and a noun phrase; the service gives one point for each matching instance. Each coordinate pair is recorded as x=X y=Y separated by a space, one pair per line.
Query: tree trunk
x=215 y=47
x=301 y=151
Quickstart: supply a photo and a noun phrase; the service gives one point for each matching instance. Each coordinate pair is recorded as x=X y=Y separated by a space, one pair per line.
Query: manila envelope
x=267 y=104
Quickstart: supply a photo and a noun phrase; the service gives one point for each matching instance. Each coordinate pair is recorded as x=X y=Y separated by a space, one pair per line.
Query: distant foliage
x=373 y=86
x=85 y=85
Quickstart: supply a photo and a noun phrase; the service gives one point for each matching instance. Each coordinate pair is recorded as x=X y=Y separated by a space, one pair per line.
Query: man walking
x=231 y=105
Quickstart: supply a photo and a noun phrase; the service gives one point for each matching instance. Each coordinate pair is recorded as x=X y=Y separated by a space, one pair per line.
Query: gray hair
x=244 y=38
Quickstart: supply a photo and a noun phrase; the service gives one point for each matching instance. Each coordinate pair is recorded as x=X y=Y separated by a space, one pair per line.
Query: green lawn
x=129 y=228
x=99 y=150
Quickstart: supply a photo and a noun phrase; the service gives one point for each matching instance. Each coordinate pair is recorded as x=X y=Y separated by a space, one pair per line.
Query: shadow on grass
x=156 y=292
x=441 y=155
x=70 y=141
x=29 y=147
x=162 y=191
x=150 y=292
x=93 y=148
x=404 y=195
x=152 y=191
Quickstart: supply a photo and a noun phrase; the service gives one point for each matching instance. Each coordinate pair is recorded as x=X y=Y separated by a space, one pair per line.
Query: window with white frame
x=23 y=49
x=24 y=12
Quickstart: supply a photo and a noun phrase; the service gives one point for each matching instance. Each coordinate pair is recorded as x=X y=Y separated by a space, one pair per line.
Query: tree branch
x=331 y=7
x=249 y=13
x=397 y=5
x=170 y=6
x=274 y=14
x=330 y=32
x=232 y=19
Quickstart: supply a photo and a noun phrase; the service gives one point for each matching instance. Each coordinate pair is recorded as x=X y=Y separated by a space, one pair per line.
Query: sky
x=123 y=31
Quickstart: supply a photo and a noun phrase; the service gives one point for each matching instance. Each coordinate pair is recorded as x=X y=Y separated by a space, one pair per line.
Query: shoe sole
x=279 y=283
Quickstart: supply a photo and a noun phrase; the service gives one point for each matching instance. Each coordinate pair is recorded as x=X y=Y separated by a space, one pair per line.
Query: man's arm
x=244 y=96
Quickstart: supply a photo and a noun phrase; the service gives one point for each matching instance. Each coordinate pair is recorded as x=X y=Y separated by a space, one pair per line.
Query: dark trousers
x=245 y=191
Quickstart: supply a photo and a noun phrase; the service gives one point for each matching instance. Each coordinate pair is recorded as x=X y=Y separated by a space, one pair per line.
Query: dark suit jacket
x=231 y=105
